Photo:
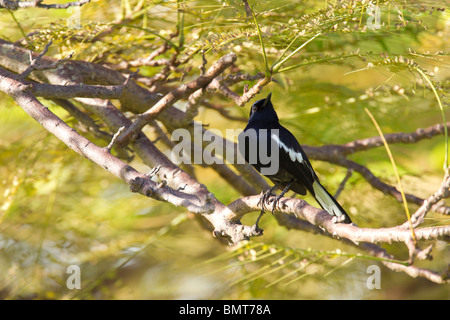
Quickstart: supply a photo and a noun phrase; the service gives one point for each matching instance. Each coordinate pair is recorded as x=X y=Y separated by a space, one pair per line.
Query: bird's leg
x=281 y=194
x=263 y=199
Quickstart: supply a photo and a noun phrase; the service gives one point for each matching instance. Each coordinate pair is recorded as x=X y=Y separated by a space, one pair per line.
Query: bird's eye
x=254 y=109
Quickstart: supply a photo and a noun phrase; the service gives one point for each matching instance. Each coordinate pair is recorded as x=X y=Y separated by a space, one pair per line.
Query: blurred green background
x=58 y=209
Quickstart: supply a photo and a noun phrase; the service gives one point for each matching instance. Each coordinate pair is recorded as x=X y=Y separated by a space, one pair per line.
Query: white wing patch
x=292 y=153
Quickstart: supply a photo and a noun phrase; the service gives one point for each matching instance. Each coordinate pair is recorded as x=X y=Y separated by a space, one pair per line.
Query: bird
x=289 y=167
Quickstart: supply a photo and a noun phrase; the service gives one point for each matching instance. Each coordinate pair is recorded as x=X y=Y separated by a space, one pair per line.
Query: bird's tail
x=328 y=203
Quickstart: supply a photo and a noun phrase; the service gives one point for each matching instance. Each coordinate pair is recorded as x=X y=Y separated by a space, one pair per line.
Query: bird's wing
x=293 y=159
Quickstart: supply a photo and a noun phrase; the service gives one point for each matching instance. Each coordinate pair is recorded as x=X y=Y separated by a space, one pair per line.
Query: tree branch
x=217 y=68
x=443 y=192
x=320 y=218
x=325 y=152
x=53 y=91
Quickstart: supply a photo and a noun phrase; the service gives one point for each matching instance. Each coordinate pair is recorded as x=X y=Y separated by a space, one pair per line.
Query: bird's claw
x=264 y=197
x=337 y=219
x=275 y=203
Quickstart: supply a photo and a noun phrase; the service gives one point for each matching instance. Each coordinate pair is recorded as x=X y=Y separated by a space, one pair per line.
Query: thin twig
x=33 y=66
x=441 y=193
x=343 y=182
x=33 y=62
x=114 y=138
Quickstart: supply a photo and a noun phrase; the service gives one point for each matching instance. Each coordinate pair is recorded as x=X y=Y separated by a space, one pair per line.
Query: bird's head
x=260 y=105
x=263 y=111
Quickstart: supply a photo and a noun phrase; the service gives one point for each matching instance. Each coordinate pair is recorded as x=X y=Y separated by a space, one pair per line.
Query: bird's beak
x=267 y=100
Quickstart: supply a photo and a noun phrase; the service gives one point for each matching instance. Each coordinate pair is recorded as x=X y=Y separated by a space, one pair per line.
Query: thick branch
x=301 y=209
x=53 y=91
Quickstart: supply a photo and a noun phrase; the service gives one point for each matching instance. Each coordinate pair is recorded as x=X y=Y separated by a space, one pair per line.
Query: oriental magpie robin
x=293 y=171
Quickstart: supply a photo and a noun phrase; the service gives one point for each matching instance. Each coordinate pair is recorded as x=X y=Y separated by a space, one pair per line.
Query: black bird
x=293 y=169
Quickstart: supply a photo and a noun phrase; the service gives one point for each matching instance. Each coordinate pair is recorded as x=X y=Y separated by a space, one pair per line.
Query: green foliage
x=279 y=264
x=58 y=209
